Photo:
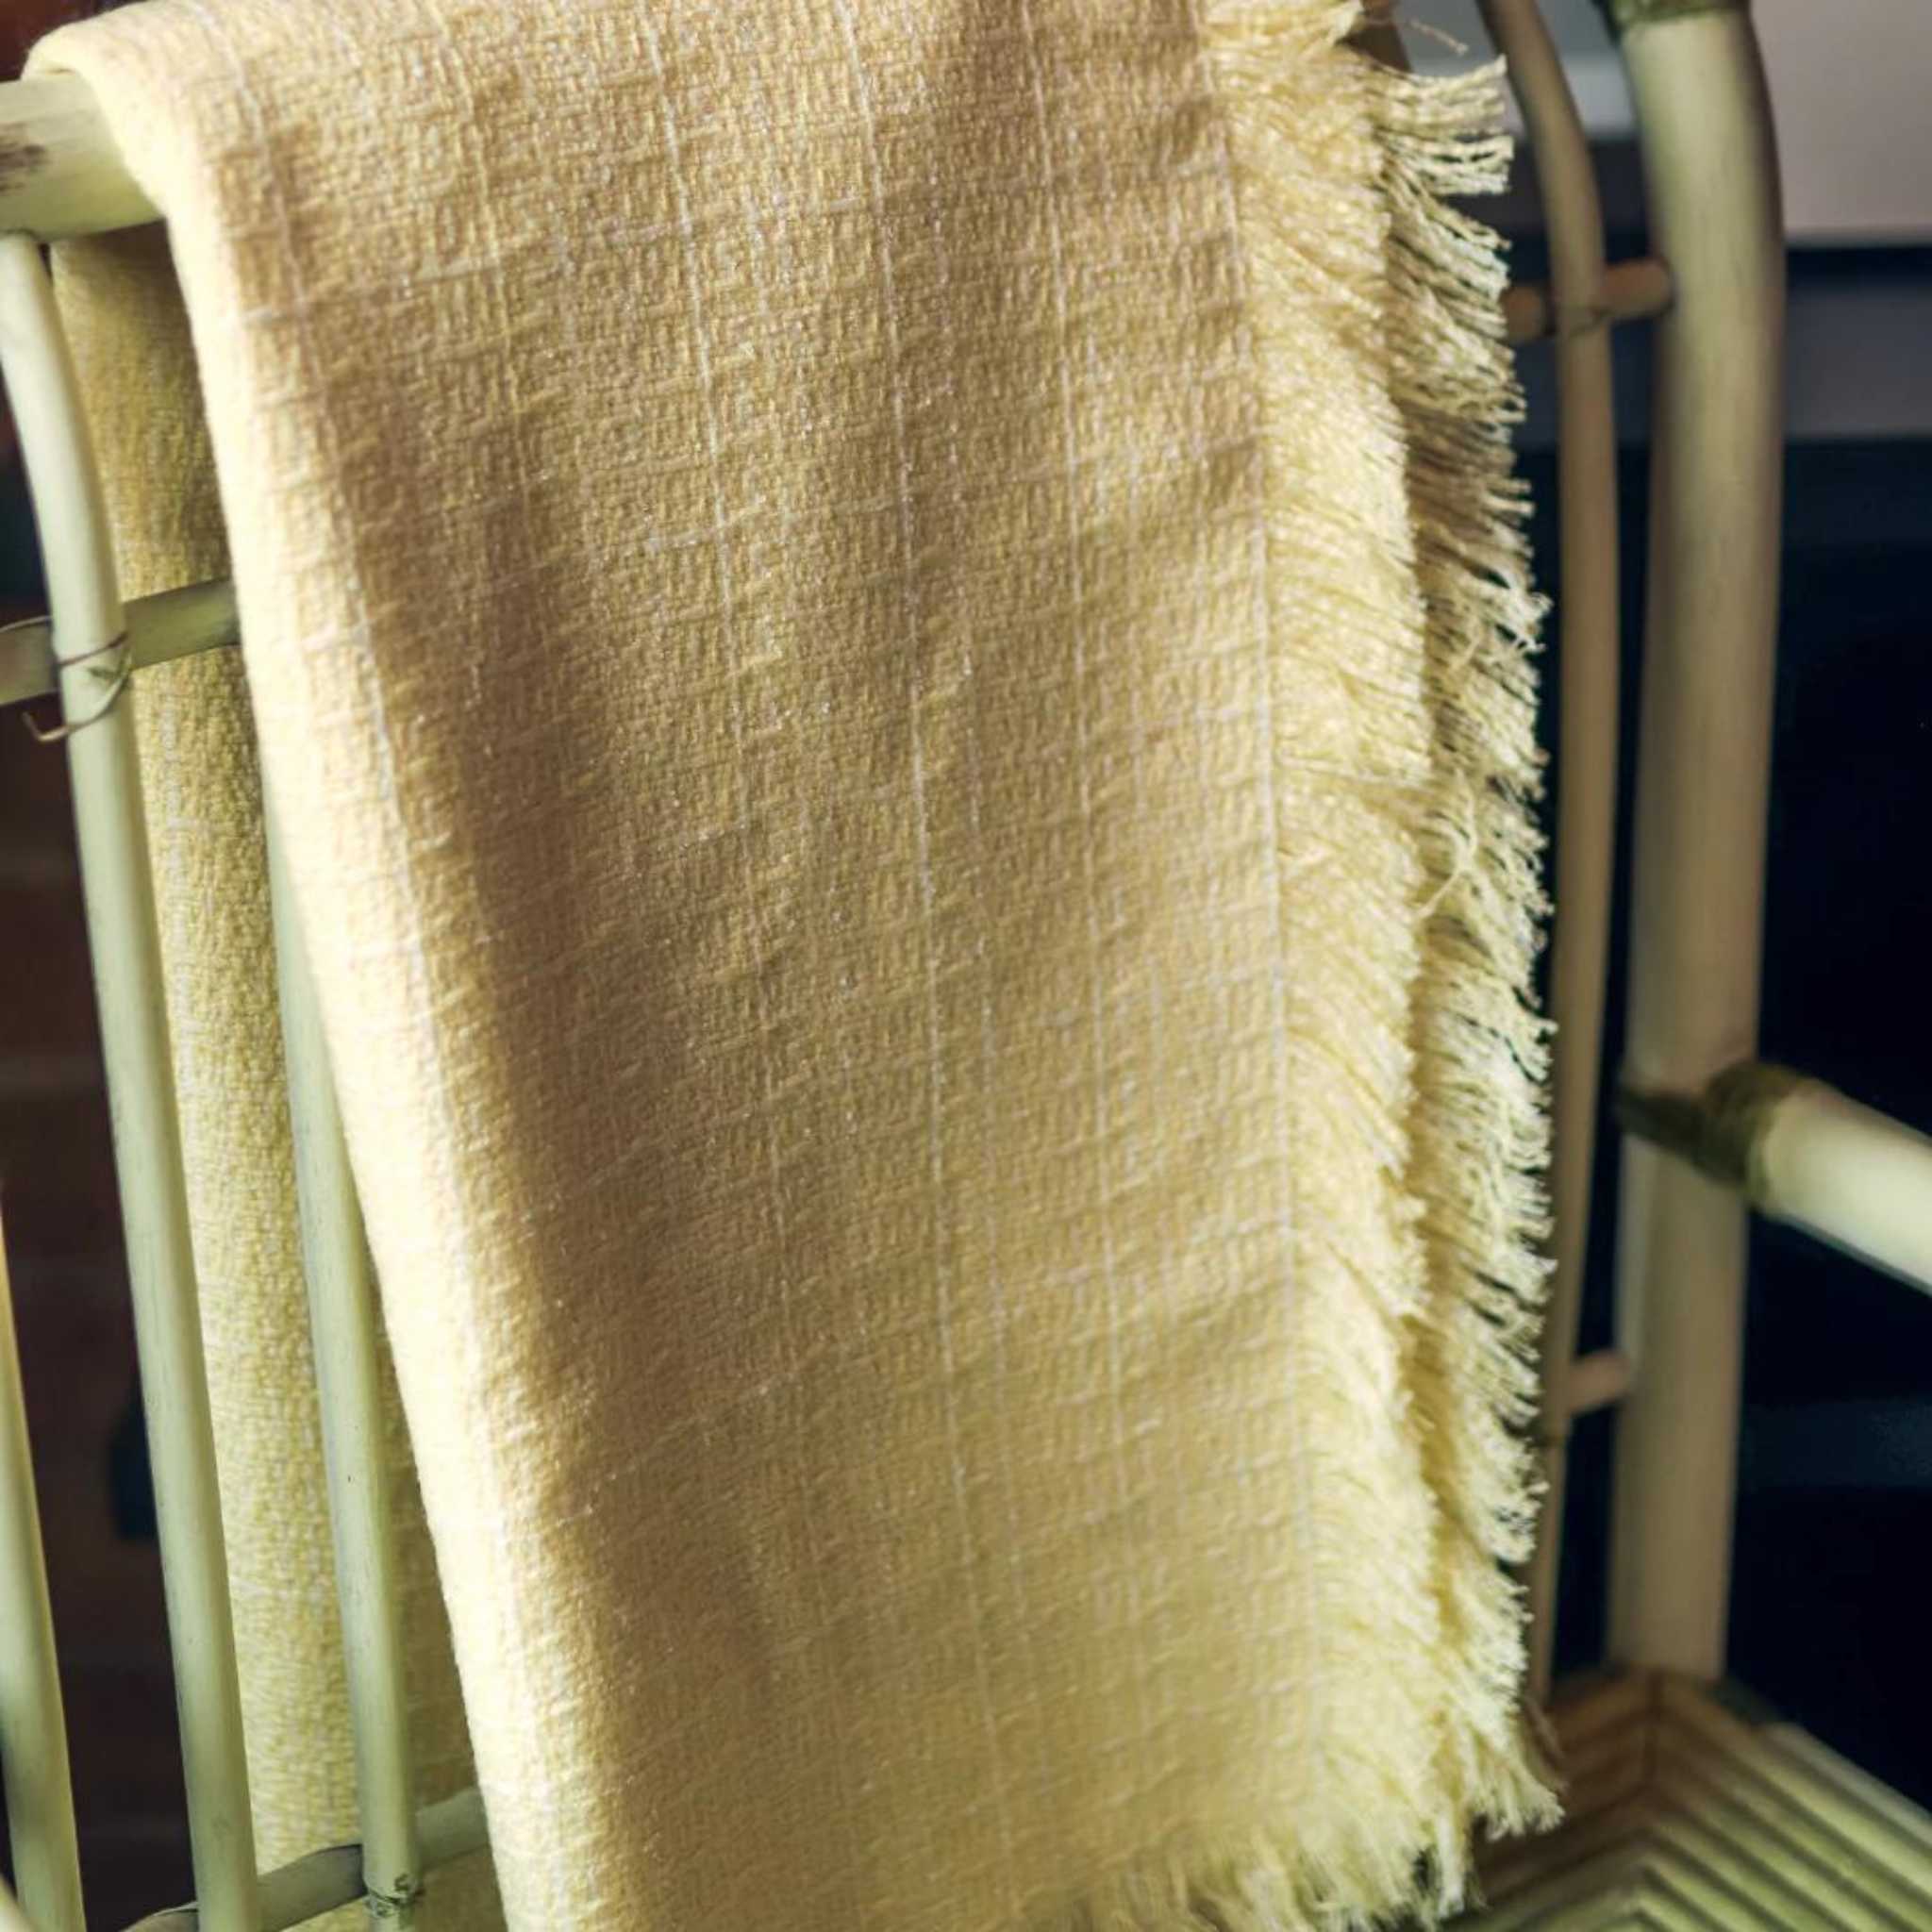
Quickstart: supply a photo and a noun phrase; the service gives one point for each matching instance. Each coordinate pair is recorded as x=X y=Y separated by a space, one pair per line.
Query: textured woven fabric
x=891 y=639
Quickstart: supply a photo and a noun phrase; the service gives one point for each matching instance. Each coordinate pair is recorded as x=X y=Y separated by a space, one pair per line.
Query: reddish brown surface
x=63 y=1244
x=23 y=21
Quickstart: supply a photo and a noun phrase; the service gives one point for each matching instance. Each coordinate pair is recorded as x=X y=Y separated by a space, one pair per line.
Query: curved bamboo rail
x=1586 y=706
x=1702 y=790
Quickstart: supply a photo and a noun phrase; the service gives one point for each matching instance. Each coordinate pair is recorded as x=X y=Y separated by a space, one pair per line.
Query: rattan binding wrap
x=1624 y=14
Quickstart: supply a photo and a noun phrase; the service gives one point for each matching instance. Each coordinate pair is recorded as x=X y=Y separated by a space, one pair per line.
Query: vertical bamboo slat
x=1587 y=756
x=125 y=948
x=342 y=1321
x=1701 y=785
x=33 y=1731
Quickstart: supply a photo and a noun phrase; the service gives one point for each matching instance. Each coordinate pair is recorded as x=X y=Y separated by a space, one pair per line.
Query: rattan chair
x=1683 y=1810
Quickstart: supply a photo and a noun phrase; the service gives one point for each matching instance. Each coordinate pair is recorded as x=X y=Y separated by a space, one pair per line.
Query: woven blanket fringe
x=1453 y=1008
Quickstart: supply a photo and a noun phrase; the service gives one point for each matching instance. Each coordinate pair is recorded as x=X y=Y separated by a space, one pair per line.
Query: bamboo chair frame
x=1710 y=1128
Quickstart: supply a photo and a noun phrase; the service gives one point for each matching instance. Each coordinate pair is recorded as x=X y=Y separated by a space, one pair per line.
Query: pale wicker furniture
x=1693 y=1809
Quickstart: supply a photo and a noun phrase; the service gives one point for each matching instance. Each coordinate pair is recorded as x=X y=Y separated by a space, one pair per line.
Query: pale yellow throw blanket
x=891 y=640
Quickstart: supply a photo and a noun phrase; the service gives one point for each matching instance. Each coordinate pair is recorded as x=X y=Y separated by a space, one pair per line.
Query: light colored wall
x=1851 y=83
